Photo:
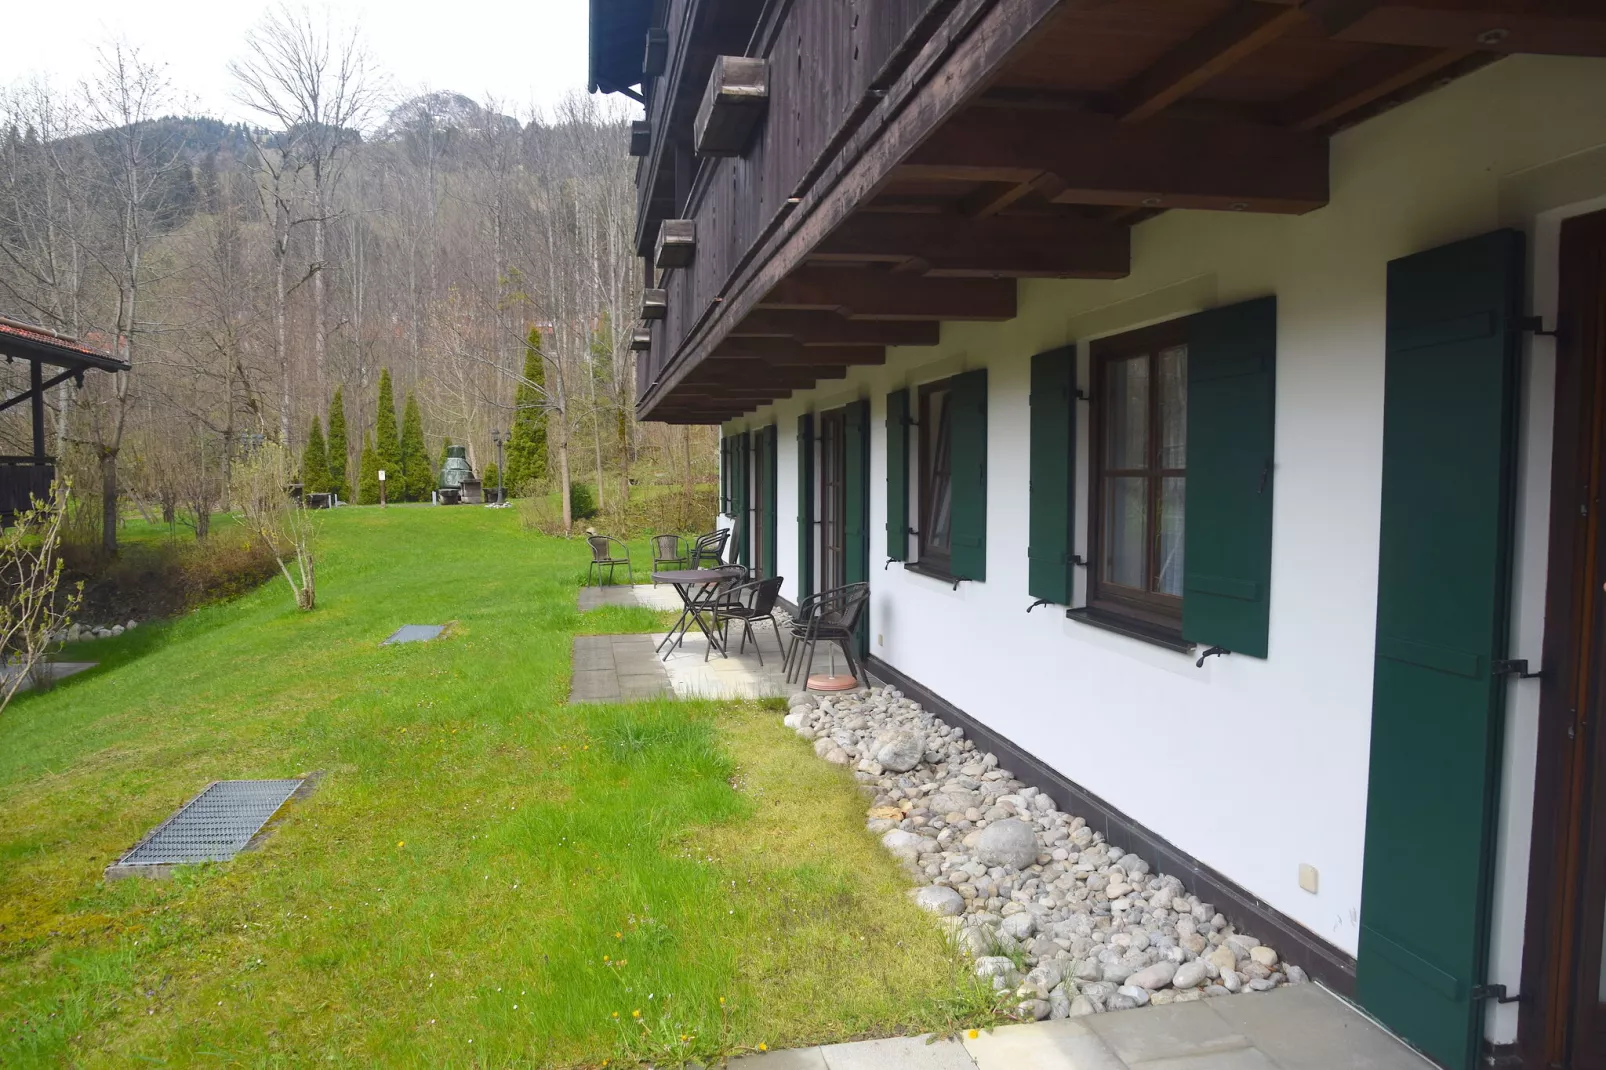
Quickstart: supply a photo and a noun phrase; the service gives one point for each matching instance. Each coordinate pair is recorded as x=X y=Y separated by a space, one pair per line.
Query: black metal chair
x=670 y=550
x=709 y=550
x=830 y=616
x=750 y=602
x=602 y=556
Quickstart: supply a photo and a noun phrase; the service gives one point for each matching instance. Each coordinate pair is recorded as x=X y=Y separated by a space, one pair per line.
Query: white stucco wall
x=1254 y=766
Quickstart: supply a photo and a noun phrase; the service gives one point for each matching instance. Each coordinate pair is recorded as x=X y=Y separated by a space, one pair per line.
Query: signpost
x=381 y=488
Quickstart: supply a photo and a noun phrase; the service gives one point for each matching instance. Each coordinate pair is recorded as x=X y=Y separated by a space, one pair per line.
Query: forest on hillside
x=255 y=274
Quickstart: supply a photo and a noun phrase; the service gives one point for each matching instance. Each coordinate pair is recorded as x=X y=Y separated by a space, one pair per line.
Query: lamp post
x=499 y=440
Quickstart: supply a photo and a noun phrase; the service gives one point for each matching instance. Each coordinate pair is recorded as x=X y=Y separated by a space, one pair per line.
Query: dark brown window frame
x=938 y=560
x=1160 y=613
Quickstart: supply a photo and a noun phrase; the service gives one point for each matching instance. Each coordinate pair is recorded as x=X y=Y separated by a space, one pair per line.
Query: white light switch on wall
x=1307 y=877
x=880 y=640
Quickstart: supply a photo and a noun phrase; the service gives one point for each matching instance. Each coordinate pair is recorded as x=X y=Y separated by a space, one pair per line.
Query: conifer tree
x=368 y=474
x=387 y=445
x=339 y=451
x=315 y=462
x=526 y=446
x=418 y=475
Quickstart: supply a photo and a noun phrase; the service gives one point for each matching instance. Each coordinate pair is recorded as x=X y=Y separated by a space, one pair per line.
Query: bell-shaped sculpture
x=456 y=469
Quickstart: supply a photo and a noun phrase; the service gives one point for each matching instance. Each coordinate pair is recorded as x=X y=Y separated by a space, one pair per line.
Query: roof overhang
x=618 y=43
x=27 y=342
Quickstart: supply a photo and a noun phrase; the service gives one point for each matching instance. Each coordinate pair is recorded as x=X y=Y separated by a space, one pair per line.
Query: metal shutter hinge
x=1536 y=325
x=1496 y=993
x=1517 y=667
x=1039 y=602
x=1215 y=651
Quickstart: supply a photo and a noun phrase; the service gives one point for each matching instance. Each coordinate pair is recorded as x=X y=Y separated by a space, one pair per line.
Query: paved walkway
x=647 y=595
x=1298 y=1027
x=628 y=668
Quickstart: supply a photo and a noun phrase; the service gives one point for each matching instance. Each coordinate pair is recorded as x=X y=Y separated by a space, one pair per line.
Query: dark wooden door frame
x=1572 y=629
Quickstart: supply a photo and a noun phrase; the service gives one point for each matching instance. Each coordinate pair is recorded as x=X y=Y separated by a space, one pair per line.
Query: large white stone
x=940 y=900
x=1010 y=842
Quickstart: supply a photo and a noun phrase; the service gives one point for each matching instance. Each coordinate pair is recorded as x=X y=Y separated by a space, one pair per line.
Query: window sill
x=935 y=573
x=1132 y=629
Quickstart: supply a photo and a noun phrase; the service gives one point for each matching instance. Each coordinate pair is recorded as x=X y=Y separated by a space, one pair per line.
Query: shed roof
x=40 y=344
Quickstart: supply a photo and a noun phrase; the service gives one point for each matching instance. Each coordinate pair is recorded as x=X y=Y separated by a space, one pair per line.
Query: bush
x=582 y=501
x=165 y=579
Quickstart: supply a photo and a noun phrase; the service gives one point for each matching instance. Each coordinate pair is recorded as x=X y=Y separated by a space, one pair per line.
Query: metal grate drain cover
x=215 y=825
x=414 y=633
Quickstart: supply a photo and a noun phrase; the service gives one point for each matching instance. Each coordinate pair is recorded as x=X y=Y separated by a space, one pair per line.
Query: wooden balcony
x=911 y=145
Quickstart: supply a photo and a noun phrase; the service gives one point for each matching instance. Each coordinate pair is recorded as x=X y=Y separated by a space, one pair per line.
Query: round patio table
x=697 y=587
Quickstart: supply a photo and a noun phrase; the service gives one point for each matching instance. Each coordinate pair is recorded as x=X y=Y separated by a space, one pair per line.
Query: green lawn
x=485 y=876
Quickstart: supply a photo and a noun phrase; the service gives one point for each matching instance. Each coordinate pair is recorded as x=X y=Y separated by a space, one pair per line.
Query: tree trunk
x=108 y=501
x=318 y=302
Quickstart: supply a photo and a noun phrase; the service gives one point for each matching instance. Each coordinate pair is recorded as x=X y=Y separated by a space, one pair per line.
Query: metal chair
x=749 y=602
x=709 y=550
x=602 y=554
x=670 y=550
x=831 y=616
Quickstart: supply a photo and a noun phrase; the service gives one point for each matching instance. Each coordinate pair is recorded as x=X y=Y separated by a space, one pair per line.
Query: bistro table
x=698 y=588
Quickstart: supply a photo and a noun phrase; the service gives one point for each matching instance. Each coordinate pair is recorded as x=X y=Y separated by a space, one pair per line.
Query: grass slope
x=485 y=876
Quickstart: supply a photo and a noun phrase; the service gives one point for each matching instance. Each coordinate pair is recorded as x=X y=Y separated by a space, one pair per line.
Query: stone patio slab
x=1067 y=1044
x=1305 y=1027
x=898 y=1053
x=791 y=1059
x=1168 y=1032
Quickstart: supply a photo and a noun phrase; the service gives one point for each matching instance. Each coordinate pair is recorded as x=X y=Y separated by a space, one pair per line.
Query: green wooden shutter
x=740 y=495
x=768 y=521
x=898 y=475
x=1232 y=388
x=1052 y=491
x=856 y=511
x=805 y=506
x=968 y=462
x=1444 y=562
x=724 y=473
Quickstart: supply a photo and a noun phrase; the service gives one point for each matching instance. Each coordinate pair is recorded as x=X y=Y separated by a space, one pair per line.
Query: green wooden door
x=856 y=508
x=1450 y=386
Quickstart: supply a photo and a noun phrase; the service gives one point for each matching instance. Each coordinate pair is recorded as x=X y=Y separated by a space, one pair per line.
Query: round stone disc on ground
x=832 y=682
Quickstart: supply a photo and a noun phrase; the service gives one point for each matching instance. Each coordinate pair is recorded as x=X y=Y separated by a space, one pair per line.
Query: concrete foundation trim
x=1324 y=962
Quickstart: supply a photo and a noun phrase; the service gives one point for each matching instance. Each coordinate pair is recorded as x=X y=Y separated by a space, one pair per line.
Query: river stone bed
x=1018 y=883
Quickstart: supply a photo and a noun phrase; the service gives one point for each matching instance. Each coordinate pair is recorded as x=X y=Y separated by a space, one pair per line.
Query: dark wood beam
x=1170 y=161
x=1380 y=75
x=1549 y=27
x=1247 y=27
x=828 y=328
x=749 y=371
x=782 y=351
x=1059 y=245
x=877 y=295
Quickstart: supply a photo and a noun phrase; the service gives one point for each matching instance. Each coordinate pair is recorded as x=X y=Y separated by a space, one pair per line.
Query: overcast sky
x=522 y=52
